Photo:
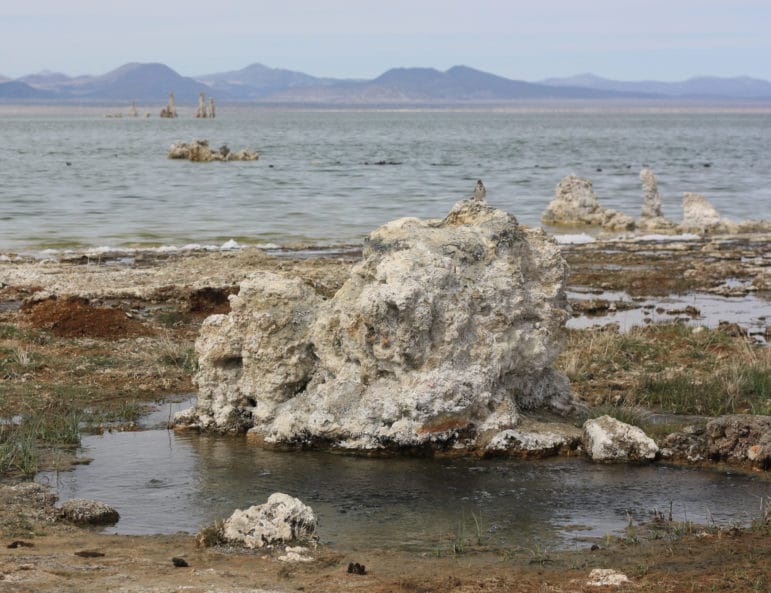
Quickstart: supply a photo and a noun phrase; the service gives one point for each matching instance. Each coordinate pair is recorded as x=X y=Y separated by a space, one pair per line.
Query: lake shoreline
x=132 y=344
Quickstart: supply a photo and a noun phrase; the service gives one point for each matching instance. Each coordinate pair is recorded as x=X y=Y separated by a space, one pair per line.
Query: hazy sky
x=528 y=40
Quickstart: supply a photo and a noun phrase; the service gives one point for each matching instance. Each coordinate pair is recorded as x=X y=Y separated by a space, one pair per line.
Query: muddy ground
x=108 y=335
x=701 y=562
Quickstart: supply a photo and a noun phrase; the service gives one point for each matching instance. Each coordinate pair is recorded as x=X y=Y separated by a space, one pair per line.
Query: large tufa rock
x=651 y=217
x=281 y=520
x=575 y=204
x=442 y=334
x=608 y=439
x=199 y=151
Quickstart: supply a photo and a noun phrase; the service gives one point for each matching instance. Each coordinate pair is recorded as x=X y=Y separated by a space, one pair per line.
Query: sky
x=519 y=39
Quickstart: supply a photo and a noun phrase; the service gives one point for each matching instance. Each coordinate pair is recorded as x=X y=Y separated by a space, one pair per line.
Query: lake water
x=162 y=482
x=89 y=181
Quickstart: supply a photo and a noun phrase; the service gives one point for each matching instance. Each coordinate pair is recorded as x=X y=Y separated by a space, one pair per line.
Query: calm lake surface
x=162 y=482
x=89 y=181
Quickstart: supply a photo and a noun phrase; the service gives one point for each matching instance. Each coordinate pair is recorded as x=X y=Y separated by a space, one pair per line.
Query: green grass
x=18 y=452
x=634 y=415
x=727 y=390
x=669 y=368
x=211 y=535
x=125 y=413
x=55 y=423
x=9 y=332
x=182 y=357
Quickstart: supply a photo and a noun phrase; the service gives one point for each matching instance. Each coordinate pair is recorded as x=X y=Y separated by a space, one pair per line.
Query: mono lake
x=87 y=181
x=166 y=482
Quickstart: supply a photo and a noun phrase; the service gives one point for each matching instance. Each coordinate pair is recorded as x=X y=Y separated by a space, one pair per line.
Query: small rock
x=89 y=554
x=534 y=439
x=179 y=562
x=296 y=554
x=606 y=577
x=20 y=544
x=88 y=512
x=733 y=330
x=608 y=439
x=356 y=568
x=281 y=520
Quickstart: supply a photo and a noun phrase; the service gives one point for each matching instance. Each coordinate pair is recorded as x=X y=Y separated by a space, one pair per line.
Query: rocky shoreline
x=114 y=299
x=109 y=333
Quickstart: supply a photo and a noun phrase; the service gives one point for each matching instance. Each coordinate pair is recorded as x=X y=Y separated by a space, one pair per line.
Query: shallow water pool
x=164 y=482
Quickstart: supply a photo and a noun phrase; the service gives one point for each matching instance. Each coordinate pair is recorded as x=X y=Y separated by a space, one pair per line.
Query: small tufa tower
x=170 y=111
x=201 y=111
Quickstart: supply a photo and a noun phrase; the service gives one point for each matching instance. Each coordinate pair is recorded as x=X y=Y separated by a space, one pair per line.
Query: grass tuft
x=669 y=368
x=211 y=535
x=55 y=423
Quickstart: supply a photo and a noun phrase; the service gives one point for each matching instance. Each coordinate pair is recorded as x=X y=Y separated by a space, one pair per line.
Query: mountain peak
x=152 y=82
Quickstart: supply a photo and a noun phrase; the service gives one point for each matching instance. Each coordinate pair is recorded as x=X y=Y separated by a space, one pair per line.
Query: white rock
x=534 y=439
x=575 y=204
x=606 y=577
x=296 y=554
x=283 y=519
x=608 y=439
x=698 y=213
x=575 y=239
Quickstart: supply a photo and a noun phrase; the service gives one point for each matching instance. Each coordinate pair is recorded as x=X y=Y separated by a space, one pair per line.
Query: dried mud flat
x=112 y=334
x=736 y=561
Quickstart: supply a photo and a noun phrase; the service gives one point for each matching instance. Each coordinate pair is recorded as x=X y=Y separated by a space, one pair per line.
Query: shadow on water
x=163 y=482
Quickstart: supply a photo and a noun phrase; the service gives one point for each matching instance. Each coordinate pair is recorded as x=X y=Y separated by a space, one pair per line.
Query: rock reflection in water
x=162 y=482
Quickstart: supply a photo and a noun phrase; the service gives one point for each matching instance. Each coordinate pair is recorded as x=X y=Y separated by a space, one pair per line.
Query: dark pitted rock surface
x=741 y=439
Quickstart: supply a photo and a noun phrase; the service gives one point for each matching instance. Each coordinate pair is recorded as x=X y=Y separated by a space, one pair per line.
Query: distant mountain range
x=151 y=83
x=740 y=87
